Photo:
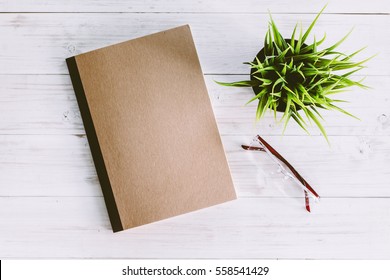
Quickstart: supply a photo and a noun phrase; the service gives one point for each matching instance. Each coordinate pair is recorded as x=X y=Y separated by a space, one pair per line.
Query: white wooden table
x=51 y=204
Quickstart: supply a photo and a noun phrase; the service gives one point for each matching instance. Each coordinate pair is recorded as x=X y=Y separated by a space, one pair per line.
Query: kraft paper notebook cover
x=151 y=128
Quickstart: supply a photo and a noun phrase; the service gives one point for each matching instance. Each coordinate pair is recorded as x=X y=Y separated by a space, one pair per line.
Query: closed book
x=151 y=128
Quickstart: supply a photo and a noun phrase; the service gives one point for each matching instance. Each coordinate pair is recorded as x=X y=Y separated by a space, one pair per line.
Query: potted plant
x=296 y=78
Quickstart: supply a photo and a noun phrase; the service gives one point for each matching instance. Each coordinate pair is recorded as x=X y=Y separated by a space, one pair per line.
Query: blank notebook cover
x=151 y=128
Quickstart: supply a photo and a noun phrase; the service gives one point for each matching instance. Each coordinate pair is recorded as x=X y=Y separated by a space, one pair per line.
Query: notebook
x=151 y=128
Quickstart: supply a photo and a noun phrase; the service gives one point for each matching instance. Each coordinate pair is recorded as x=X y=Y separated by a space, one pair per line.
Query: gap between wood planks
x=235 y=13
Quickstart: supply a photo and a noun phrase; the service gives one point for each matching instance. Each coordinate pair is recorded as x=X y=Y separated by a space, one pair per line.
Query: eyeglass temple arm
x=296 y=174
x=292 y=169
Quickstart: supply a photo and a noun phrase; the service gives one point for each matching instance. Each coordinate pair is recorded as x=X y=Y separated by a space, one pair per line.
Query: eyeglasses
x=285 y=167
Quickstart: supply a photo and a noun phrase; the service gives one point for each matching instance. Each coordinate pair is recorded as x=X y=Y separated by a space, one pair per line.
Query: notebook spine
x=94 y=145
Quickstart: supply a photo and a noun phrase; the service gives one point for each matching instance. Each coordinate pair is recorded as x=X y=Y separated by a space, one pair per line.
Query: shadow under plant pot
x=293 y=78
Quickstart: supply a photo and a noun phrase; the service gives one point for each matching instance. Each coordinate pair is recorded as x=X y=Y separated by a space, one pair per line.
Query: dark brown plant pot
x=260 y=55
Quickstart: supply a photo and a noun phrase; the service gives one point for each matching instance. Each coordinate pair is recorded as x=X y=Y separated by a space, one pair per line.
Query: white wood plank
x=39 y=43
x=50 y=200
x=194 y=6
x=46 y=104
x=61 y=165
x=371 y=106
x=246 y=228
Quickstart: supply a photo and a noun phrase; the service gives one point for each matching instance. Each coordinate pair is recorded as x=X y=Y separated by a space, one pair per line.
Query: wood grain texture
x=77 y=227
x=223 y=41
x=51 y=204
x=61 y=165
x=46 y=104
x=194 y=6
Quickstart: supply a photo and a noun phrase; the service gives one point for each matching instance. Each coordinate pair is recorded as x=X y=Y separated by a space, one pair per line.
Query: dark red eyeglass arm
x=282 y=159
